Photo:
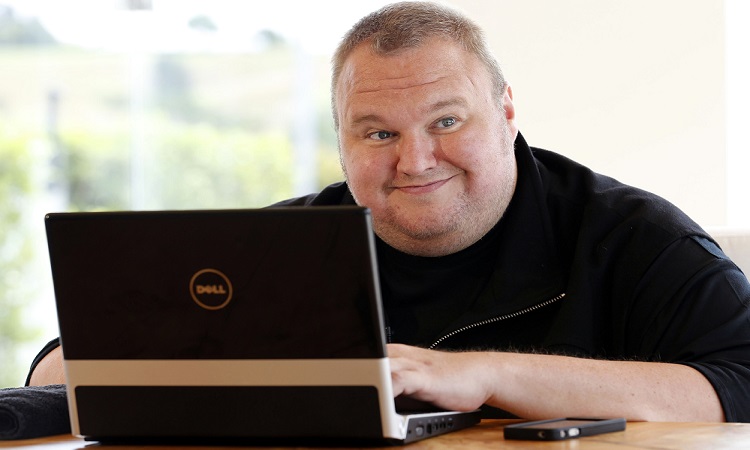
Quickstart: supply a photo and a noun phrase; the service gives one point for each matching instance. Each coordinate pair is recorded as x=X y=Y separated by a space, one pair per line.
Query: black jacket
x=591 y=267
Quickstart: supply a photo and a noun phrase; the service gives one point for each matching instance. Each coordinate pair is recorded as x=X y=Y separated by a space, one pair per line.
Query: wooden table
x=489 y=435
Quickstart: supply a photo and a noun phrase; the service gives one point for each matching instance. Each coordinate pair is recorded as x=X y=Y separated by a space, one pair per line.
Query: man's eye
x=446 y=122
x=380 y=135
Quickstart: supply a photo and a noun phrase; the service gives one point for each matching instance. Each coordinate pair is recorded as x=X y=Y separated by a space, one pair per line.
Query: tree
x=17 y=30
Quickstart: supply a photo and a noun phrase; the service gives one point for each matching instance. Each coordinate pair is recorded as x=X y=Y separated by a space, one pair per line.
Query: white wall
x=737 y=13
x=635 y=89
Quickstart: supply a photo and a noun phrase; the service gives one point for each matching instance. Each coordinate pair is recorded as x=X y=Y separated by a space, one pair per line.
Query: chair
x=736 y=244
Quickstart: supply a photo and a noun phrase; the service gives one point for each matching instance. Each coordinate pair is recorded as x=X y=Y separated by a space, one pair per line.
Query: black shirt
x=422 y=296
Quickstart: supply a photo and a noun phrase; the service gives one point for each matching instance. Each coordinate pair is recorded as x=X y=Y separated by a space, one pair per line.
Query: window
x=151 y=104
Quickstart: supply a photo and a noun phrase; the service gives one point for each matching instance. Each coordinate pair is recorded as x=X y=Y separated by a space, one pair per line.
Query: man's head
x=407 y=25
x=426 y=127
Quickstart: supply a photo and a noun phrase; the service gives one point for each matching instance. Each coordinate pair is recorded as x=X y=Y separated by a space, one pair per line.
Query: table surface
x=489 y=435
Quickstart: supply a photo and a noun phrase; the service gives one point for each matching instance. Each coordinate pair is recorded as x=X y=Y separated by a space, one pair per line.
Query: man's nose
x=416 y=154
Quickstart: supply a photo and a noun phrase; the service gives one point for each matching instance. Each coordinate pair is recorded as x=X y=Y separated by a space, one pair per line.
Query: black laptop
x=259 y=324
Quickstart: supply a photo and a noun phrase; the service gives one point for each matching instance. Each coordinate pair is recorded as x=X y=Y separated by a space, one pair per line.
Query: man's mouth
x=422 y=188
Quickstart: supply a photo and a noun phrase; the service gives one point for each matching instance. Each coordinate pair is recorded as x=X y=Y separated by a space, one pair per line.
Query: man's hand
x=437 y=377
x=542 y=386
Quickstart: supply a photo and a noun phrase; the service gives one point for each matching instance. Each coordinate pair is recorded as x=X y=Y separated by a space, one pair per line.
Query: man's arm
x=536 y=386
x=49 y=370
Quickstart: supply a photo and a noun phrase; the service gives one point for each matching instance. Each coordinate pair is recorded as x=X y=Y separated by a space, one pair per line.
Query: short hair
x=406 y=25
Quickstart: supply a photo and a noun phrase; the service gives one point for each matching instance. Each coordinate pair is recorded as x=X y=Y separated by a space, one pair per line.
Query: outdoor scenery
x=91 y=129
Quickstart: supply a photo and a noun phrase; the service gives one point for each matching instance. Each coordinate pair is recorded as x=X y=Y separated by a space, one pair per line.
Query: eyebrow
x=455 y=101
x=367 y=118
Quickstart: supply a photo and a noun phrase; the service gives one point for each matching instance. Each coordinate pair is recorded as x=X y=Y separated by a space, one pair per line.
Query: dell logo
x=211 y=289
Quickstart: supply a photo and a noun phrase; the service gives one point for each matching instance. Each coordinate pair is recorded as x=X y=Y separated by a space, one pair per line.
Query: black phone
x=563 y=428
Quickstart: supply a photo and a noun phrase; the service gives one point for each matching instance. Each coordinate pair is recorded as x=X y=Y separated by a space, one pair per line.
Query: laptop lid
x=261 y=323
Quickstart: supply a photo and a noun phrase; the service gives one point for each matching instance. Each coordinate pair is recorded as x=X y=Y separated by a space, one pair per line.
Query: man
x=561 y=292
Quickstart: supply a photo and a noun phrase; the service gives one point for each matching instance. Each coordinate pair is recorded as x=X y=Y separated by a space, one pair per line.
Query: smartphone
x=564 y=428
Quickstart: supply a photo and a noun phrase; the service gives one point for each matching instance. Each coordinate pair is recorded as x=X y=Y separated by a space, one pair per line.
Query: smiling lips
x=422 y=189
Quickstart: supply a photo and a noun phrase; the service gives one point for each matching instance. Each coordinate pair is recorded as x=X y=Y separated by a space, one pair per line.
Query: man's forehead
x=433 y=57
x=419 y=79
x=366 y=72
x=363 y=84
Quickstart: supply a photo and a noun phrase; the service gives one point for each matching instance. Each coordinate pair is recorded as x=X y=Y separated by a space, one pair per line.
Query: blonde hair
x=407 y=25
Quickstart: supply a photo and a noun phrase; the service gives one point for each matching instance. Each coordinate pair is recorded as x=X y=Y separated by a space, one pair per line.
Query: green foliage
x=184 y=167
x=93 y=168
x=15 y=253
x=207 y=167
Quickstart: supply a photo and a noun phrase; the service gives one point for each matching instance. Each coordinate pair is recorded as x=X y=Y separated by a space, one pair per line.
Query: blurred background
x=193 y=104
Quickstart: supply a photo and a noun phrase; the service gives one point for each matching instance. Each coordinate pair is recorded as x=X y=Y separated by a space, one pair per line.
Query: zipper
x=497 y=319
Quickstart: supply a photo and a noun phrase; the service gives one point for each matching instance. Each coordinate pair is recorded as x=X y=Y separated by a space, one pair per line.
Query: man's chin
x=425 y=227
x=420 y=240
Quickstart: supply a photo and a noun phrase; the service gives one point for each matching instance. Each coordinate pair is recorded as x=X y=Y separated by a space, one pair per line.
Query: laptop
x=257 y=324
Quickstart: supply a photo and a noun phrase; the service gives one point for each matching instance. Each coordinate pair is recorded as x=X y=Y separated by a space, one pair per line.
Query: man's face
x=426 y=145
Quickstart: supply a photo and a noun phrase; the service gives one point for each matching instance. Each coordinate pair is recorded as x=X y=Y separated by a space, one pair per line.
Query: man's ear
x=510 y=110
